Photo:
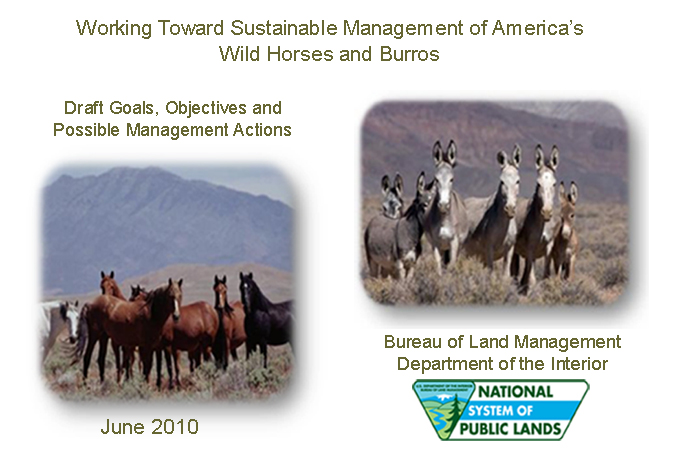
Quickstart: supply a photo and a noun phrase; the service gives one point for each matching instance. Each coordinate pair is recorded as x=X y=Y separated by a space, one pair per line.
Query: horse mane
x=153 y=297
x=259 y=300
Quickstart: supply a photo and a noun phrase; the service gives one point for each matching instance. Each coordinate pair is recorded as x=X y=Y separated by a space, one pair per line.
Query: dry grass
x=601 y=273
x=243 y=380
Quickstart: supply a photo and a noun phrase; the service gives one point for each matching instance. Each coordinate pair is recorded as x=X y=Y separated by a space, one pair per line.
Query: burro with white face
x=492 y=227
x=446 y=220
x=533 y=218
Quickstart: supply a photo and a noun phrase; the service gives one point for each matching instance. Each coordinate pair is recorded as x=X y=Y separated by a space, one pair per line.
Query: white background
x=632 y=55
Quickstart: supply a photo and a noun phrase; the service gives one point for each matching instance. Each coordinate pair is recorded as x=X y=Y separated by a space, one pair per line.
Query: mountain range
x=591 y=136
x=136 y=221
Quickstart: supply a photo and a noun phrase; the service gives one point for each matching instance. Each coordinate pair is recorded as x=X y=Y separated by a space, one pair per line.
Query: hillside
x=136 y=221
x=198 y=281
x=591 y=136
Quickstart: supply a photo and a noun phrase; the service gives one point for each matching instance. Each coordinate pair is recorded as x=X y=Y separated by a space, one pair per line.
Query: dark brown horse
x=265 y=322
x=231 y=334
x=129 y=324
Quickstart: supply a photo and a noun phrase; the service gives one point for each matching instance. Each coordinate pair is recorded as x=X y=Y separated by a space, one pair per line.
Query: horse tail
x=82 y=334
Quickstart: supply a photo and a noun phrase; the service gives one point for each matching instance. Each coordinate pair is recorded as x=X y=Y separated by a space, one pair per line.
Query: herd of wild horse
x=154 y=322
x=500 y=226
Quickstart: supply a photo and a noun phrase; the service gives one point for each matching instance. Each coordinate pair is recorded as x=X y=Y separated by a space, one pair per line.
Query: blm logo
x=500 y=409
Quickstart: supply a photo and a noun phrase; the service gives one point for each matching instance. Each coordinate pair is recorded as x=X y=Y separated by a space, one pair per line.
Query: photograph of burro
x=167 y=283
x=492 y=203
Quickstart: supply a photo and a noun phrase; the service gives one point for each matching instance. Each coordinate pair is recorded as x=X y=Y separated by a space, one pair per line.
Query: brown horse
x=194 y=333
x=109 y=286
x=129 y=324
x=231 y=334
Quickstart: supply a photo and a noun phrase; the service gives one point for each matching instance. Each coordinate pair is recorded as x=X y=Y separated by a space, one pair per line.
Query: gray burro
x=393 y=241
x=534 y=220
x=379 y=237
x=492 y=228
x=446 y=222
x=499 y=226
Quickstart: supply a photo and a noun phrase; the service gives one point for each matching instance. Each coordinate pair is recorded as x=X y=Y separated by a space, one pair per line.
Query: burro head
x=545 y=180
x=509 y=179
x=568 y=203
x=392 y=203
x=444 y=164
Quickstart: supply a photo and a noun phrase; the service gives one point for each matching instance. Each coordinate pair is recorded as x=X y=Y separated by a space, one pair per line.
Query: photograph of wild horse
x=494 y=203
x=169 y=237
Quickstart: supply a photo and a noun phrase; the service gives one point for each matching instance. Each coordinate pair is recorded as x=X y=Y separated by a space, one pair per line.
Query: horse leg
x=235 y=357
x=176 y=354
x=101 y=360
x=88 y=356
x=264 y=351
x=167 y=356
x=126 y=362
x=146 y=359
x=159 y=368
x=117 y=353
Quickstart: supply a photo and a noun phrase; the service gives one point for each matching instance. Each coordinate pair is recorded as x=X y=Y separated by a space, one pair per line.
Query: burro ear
x=170 y=282
x=217 y=281
x=241 y=276
x=539 y=156
x=437 y=153
x=398 y=185
x=516 y=156
x=420 y=183
x=574 y=193
x=554 y=157
x=180 y=282
x=563 y=196
x=224 y=279
x=451 y=153
x=502 y=158
x=103 y=275
x=77 y=302
x=250 y=276
x=112 y=275
x=64 y=310
x=385 y=184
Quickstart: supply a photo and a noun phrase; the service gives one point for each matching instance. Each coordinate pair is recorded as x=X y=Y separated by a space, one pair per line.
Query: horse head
x=444 y=175
x=137 y=292
x=546 y=181
x=108 y=284
x=248 y=290
x=170 y=295
x=567 y=206
x=71 y=315
x=220 y=289
x=508 y=189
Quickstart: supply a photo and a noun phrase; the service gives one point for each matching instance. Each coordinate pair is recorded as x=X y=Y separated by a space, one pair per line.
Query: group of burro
x=501 y=226
x=154 y=322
